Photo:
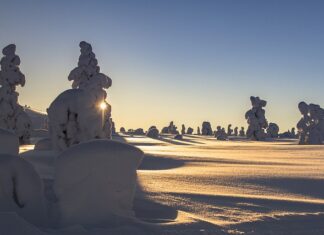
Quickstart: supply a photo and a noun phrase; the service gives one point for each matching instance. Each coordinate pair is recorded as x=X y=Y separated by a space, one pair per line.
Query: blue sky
x=181 y=60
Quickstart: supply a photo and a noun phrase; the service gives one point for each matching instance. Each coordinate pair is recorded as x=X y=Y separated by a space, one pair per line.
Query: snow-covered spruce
x=256 y=119
x=12 y=115
x=311 y=125
x=242 y=132
x=21 y=189
x=81 y=113
x=229 y=130
x=96 y=181
x=190 y=131
x=220 y=133
x=171 y=129
x=9 y=142
x=206 y=129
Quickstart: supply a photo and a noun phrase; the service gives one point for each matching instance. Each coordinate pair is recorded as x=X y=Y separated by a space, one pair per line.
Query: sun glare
x=103 y=106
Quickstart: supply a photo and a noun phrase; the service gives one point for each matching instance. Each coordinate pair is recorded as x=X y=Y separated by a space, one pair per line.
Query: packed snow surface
x=199 y=185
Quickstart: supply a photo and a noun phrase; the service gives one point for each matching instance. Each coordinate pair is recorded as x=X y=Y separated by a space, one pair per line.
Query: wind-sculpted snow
x=21 y=190
x=240 y=185
x=95 y=181
x=199 y=185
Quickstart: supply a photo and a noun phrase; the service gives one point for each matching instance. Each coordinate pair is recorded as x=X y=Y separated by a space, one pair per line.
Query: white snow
x=12 y=115
x=21 y=190
x=69 y=117
x=81 y=113
x=95 y=181
x=44 y=144
x=39 y=133
x=9 y=142
x=199 y=185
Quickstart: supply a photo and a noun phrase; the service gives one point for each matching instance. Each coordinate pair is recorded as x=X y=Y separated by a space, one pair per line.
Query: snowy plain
x=199 y=185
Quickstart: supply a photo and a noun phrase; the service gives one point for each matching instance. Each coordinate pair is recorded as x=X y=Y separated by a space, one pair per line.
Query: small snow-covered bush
x=139 y=131
x=153 y=133
x=96 y=180
x=178 y=137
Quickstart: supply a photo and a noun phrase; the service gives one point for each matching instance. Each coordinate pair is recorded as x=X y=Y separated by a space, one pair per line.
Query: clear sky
x=181 y=60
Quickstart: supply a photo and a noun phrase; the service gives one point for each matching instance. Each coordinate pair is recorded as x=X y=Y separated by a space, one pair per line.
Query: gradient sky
x=181 y=60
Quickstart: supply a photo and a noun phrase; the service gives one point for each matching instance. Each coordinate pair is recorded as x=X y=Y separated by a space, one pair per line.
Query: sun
x=103 y=106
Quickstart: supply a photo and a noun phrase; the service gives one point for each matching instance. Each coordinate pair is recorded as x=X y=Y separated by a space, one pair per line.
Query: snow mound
x=70 y=115
x=40 y=133
x=21 y=189
x=11 y=223
x=153 y=133
x=9 y=142
x=95 y=181
x=43 y=144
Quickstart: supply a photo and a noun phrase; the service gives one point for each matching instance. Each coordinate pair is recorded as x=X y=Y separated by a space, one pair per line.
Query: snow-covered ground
x=199 y=185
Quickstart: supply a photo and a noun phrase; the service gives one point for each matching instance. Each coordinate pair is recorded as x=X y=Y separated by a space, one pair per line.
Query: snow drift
x=9 y=142
x=95 y=181
x=43 y=144
x=21 y=189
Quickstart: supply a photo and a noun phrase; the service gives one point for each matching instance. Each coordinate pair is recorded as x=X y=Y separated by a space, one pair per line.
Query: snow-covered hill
x=38 y=118
x=199 y=185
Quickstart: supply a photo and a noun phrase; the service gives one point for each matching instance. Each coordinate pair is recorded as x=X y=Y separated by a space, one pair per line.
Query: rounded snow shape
x=190 y=131
x=96 y=181
x=74 y=118
x=153 y=133
x=178 y=137
x=139 y=131
x=9 y=50
x=40 y=133
x=9 y=142
x=43 y=144
x=21 y=189
x=206 y=129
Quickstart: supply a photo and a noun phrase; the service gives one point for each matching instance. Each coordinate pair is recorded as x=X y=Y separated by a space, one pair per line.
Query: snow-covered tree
x=12 y=115
x=81 y=113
